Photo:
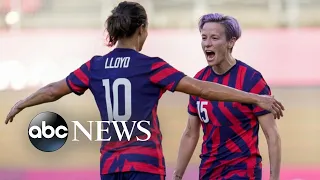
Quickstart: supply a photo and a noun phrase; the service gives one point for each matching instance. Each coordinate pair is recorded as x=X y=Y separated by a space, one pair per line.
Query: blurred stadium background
x=43 y=40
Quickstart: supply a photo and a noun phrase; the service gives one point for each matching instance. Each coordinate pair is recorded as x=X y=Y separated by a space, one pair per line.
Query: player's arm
x=217 y=92
x=77 y=82
x=268 y=125
x=270 y=130
x=188 y=144
x=166 y=76
x=48 y=93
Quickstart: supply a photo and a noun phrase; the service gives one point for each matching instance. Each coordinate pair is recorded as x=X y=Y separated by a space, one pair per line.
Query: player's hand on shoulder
x=13 y=112
x=269 y=103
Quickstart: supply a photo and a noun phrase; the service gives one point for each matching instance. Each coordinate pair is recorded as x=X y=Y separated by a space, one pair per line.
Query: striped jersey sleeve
x=164 y=75
x=192 y=106
x=259 y=86
x=78 y=80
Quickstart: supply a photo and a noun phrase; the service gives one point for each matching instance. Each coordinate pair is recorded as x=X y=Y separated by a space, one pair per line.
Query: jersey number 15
x=202 y=111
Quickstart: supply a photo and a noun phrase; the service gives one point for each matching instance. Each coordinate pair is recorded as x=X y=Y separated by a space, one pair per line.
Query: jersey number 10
x=113 y=109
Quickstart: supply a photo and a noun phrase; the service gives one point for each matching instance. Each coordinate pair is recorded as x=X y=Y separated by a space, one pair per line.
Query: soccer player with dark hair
x=127 y=86
x=230 y=141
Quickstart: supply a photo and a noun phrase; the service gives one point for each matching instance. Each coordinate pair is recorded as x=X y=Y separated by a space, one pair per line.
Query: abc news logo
x=48 y=131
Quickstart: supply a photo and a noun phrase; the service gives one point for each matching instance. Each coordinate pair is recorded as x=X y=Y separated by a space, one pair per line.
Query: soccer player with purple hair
x=230 y=141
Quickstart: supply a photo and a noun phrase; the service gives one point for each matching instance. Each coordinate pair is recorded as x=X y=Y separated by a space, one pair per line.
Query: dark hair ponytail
x=124 y=21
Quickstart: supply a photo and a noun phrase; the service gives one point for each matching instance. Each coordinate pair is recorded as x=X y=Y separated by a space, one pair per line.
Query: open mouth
x=210 y=54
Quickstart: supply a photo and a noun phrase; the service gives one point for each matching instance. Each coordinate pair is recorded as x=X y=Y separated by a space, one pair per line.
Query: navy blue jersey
x=230 y=141
x=127 y=86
